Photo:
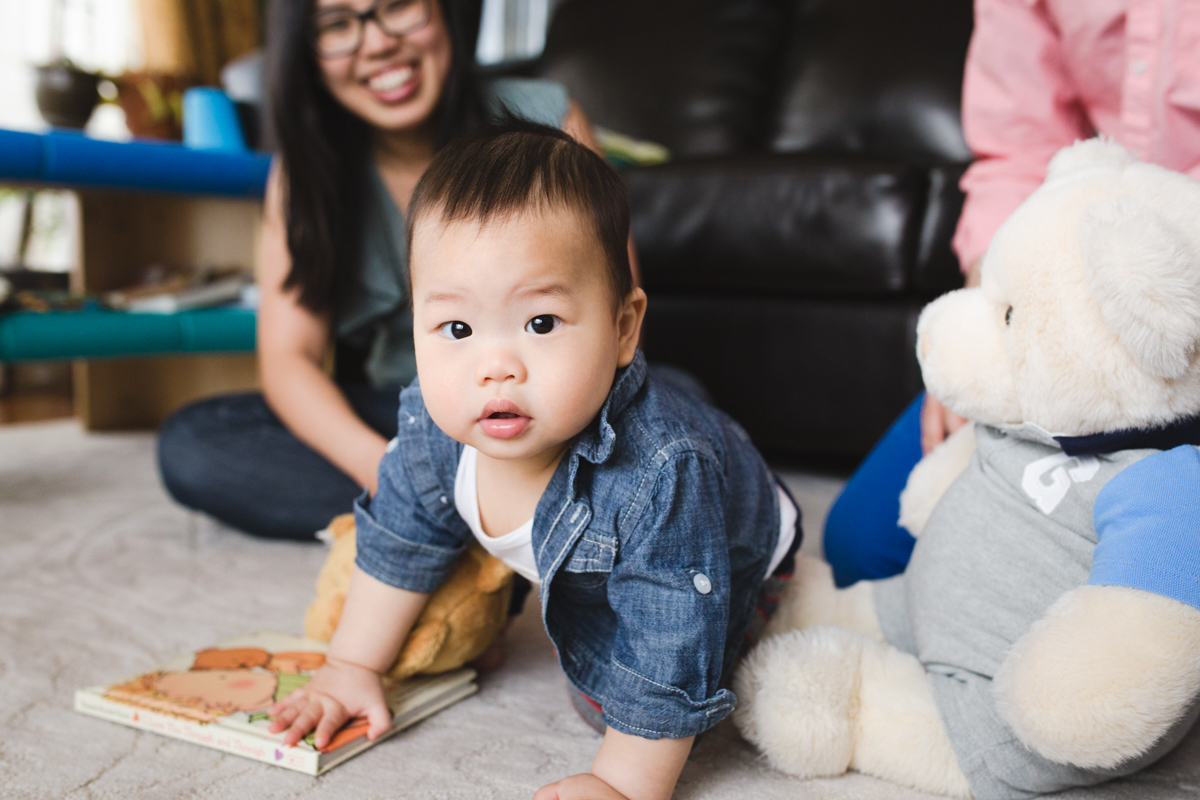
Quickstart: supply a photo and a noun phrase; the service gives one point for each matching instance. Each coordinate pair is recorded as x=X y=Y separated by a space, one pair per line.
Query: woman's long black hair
x=325 y=148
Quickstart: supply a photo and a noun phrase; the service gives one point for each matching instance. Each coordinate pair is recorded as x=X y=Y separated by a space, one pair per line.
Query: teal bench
x=71 y=160
x=32 y=336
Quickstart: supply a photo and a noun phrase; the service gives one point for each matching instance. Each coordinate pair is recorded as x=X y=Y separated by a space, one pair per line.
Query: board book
x=218 y=697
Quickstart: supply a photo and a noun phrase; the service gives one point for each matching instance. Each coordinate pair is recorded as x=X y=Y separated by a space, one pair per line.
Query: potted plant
x=66 y=95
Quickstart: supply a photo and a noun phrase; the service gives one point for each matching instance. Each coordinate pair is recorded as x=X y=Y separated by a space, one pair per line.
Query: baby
x=645 y=518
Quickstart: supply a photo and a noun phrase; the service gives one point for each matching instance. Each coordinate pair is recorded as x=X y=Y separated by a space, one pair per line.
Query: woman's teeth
x=392 y=79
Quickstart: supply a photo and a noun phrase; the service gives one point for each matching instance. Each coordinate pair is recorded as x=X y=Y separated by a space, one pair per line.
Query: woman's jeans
x=232 y=458
x=862 y=539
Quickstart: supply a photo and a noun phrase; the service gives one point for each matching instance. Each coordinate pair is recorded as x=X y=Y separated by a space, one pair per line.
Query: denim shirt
x=652 y=540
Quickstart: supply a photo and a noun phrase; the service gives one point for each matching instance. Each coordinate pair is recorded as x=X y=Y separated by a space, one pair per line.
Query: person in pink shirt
x=1040 y=74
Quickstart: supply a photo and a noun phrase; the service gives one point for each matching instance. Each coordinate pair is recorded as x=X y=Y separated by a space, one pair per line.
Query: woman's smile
x=396 y=83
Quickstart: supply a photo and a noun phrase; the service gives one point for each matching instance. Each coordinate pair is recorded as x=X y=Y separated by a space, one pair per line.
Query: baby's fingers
x=335 y=717
x=290 y=701
x=304 y=723
x=379 y=719
x=584 y=786
x=284 y=716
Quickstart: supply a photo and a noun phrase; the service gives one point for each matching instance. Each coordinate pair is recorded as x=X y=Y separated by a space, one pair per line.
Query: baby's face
x=517 y=340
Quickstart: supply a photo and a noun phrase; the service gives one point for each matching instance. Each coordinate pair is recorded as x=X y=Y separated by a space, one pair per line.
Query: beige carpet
x=102 y=576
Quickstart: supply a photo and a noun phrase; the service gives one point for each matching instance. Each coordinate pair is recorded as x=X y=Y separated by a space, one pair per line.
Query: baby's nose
x=501 y=364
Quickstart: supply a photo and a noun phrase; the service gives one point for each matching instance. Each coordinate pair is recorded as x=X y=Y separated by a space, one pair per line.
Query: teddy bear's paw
x=900 y=735
x=810 y=599
x=1102 y=677
x=798 y=697
x=932 y=476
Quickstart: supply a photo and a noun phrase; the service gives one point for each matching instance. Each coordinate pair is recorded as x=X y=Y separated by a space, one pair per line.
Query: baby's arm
x=374 y=624
x=626 y=768
x=670 y=592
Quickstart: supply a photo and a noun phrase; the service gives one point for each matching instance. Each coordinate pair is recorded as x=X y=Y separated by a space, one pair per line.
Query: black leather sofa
x=806 y=216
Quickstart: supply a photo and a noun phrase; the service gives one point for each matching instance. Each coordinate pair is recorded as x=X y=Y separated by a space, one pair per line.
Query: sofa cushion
x=881 y=79
x=698 y=76
x=814 y=376
x=936 y=269
x=776 y=223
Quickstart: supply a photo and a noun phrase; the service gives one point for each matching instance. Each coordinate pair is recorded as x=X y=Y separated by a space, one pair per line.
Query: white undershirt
x=516 y=547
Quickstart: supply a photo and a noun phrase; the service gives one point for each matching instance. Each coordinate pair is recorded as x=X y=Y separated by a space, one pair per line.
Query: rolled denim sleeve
x=400 y=541
x=670 y=590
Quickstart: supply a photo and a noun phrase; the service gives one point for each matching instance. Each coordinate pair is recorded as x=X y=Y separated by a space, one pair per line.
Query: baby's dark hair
x=513 y=165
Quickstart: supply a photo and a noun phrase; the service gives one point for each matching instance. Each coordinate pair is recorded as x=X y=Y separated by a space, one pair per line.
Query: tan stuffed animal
x=459 y=623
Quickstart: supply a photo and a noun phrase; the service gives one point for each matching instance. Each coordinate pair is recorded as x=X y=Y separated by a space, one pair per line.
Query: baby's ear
x=629 y=325
x=1145 y=274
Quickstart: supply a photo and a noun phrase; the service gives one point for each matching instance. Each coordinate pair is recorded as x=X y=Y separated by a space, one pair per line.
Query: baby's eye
x=456 y=330
x=543 y=323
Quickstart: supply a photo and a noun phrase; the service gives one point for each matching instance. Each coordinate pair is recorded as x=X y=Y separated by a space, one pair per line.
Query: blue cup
x=210 y=121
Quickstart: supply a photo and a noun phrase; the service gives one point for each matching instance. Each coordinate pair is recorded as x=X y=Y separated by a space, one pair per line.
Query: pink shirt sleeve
x=1019 y=108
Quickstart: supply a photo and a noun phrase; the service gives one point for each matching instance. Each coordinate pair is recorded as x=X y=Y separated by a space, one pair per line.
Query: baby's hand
x=579 y=787
x=338 y=691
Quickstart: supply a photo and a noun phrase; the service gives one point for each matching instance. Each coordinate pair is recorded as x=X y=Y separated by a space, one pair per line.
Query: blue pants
x=862 y=539
x=232 y=458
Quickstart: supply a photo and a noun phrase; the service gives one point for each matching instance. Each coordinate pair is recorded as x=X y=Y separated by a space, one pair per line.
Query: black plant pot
x=66 y=95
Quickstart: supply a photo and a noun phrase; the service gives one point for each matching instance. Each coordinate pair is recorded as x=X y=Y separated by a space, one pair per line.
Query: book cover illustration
x=218 y=697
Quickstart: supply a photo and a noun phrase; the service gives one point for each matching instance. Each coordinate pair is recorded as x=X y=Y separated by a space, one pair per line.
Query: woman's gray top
x=374 y=313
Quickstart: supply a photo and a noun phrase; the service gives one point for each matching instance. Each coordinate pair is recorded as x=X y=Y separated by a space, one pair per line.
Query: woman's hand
x=937 y=422
x=337 y=692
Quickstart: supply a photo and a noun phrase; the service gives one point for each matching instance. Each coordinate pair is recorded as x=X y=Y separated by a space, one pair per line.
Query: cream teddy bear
x=1046 y=633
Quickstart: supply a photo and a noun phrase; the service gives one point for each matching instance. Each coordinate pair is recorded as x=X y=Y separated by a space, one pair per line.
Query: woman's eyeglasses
x=339 y=32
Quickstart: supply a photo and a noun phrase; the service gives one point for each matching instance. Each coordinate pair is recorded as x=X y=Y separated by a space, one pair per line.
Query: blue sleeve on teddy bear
x=1147 y=519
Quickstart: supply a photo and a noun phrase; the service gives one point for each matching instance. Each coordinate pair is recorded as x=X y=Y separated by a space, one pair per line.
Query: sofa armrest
x=778 y=223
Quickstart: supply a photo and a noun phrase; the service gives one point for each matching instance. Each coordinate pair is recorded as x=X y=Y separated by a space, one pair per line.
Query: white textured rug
x=102 y=576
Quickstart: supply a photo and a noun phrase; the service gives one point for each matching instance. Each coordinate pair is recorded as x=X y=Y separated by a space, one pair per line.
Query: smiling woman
x=362 y=95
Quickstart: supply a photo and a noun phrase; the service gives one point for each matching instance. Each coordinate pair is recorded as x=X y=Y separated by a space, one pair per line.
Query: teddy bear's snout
x=964 y=364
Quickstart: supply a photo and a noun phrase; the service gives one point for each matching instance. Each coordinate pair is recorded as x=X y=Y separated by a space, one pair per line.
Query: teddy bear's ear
x=1086 y=154
x=1145 y=274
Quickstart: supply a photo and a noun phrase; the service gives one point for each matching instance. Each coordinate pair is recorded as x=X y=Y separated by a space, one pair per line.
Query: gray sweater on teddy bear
x=1011 y=535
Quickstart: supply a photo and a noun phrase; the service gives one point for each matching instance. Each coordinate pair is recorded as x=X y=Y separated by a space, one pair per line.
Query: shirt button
x=702 y=583
x=1137 y=67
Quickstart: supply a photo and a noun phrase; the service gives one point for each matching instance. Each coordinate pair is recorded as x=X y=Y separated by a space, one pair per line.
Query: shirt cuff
x=392 y=559
x=641 y=707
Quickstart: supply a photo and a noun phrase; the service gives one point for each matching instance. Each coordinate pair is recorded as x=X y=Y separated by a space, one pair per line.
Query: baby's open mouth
x=502 y=419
